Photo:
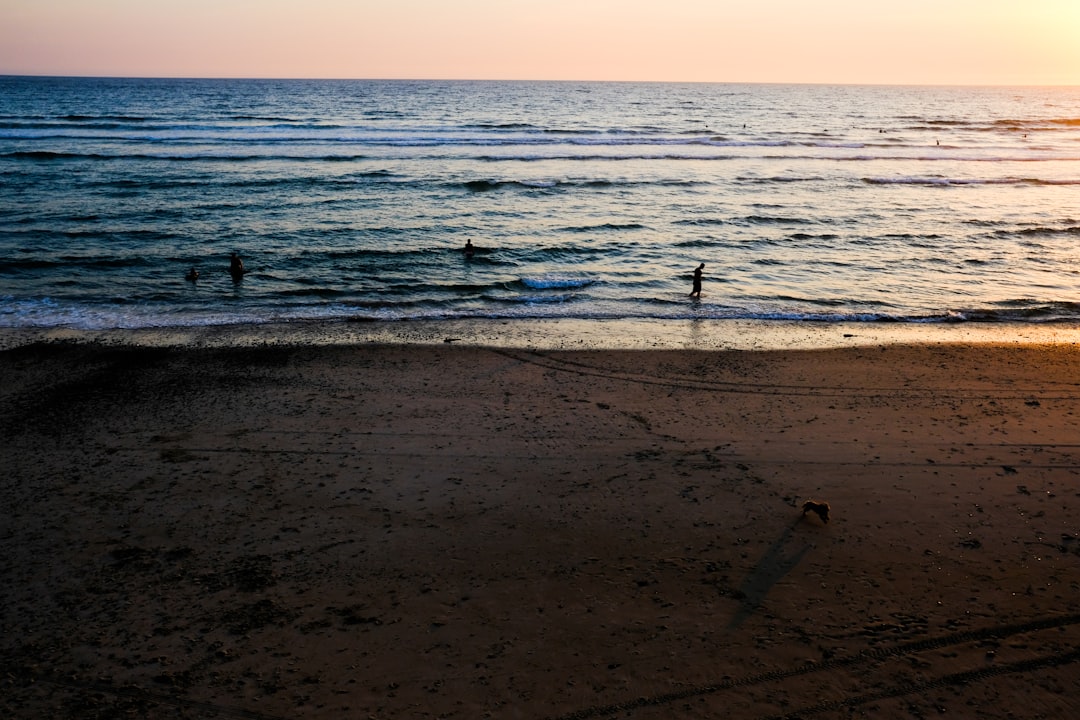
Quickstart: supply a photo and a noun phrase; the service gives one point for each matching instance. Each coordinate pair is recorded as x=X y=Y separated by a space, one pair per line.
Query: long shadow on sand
x=780 y=559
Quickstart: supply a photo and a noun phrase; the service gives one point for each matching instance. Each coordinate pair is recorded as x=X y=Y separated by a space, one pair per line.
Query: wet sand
x=459 y=532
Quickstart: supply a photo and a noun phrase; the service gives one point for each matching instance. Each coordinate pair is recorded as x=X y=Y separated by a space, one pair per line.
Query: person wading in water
x=696 y=292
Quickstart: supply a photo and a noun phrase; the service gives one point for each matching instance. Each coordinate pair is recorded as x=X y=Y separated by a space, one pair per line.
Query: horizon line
x=75 y=76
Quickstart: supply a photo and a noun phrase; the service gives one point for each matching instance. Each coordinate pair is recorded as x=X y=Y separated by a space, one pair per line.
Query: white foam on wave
x=50 y=313
x=965 y=181
x=555 y=282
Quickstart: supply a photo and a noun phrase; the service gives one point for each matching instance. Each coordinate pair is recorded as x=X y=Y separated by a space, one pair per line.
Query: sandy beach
x=437 y=531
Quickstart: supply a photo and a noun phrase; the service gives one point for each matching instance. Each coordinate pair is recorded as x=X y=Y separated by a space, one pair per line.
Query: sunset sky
x=825 y=41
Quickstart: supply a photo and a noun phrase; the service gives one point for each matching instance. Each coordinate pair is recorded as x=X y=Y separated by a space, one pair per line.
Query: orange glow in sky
x=1001 y=42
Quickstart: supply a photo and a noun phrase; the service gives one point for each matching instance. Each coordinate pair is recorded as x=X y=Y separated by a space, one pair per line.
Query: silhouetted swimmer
x=192 y=275
x=469 y=249
x=696 y=292
x=236 y=267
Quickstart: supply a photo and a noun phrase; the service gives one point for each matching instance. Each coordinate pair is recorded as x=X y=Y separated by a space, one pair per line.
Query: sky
x=939 y=42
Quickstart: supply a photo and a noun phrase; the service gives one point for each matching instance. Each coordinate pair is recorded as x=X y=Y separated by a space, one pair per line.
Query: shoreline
x=562 y=334
x=434 y=530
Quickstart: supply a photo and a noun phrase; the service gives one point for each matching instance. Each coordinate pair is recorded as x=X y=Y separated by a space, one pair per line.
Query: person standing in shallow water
x=236 y=266
x=696 y=292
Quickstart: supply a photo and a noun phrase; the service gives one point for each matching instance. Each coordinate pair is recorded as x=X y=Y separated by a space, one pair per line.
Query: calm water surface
x=587 y=201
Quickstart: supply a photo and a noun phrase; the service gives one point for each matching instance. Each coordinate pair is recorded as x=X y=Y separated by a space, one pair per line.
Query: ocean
x=352 y=201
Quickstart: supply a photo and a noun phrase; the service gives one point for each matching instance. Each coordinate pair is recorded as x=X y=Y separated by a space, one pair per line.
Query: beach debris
x=817 y=507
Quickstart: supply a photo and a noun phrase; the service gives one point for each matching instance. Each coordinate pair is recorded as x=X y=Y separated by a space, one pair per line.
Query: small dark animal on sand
x=821 y=508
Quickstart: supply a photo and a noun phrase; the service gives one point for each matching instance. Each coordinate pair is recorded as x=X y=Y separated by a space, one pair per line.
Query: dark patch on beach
x=132 y=557
x=178 y=455
x=89 y=376
x=247 y=574
x=83 y=377
x=256 y=615
x=355 y=615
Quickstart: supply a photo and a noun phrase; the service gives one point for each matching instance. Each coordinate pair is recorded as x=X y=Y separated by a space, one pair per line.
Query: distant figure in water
x=192 y=275
x=236 y=267
x=469 y=249
x=696 y=292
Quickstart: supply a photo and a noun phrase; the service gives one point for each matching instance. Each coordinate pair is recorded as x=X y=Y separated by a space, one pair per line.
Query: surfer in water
x=469 y=249
x=236 y=267
x=192 y=275
x=696 y=291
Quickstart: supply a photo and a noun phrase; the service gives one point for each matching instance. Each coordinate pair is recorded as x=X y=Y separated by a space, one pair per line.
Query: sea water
x=352 y=200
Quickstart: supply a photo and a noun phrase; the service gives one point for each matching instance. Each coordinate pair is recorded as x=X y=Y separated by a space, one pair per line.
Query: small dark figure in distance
x=821 y=508
x=236 y=267
x=696 y=292
x=469 y=249
x=192 y=275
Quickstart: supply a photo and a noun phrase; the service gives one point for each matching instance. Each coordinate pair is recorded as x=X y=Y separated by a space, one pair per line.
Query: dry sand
x=439 y=531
